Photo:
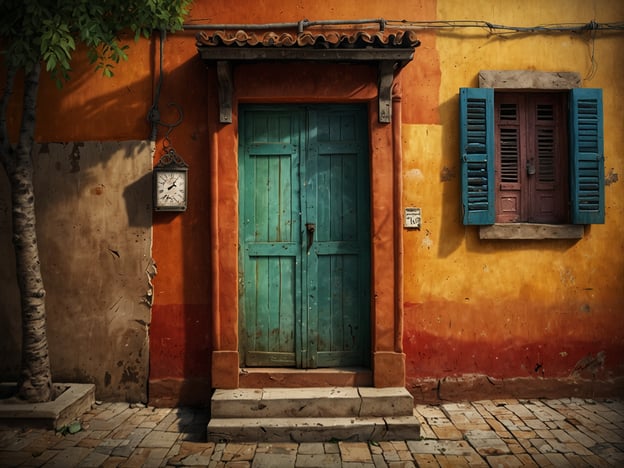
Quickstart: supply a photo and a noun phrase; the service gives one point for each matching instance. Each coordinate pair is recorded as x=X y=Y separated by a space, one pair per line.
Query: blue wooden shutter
x=586 y=156
x=477 y=154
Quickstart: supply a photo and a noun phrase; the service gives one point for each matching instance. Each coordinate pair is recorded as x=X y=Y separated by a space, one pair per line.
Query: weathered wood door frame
x=311 y=83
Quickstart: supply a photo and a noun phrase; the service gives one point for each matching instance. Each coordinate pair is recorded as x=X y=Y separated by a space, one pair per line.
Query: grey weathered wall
x=94 y=215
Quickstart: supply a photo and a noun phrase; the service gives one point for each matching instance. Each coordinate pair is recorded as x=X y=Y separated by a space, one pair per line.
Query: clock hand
x=171 y=186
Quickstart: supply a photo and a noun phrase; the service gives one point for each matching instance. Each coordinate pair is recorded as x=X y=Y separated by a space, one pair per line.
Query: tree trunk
x=35 y=380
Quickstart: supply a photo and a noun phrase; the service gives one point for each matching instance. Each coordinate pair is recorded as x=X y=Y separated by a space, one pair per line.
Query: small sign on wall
x=412 y=218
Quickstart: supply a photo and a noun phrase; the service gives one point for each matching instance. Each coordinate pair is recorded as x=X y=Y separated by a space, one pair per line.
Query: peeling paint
x=74 y=157
x=590 y=364
x=447 y=174
x=611 y=177
x=130 y=374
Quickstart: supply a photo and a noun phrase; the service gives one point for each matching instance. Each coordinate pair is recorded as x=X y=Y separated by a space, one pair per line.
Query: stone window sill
x=515 y=231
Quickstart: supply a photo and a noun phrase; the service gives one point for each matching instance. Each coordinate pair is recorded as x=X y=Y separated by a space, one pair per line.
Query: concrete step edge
x=313 y=429
x=311 y=402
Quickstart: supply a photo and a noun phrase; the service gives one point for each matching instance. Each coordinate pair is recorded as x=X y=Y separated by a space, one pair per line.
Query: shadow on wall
x=94 y=231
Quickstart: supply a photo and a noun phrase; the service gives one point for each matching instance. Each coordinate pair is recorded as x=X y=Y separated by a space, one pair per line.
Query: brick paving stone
x=94 y=459
x=425 y=459
x=504 y=461
x=239 y=451
x=425 y=430
x=355 y=452
x=113 y=462
x=318 y=460
x=581 y=438
x=279 y=448
x=476 y=461
x=546 y=413
x=519 y=434
x=39 y=459
x=500 y=430
x=526 y=460
x=487 y=443
x=158 y=439
x=542 y=446
x=522 y=411
x=274 y=460
x=379 y=461
x=13 y=457
x=535 y=423
x=400 y=464
x=442 y=447
x=111 y=423
x=429 y=411
x=451 y=461
x=132 y=441
x=310 y=448
x=70 y=456
x=606 y=434
x=596 y=461
x=238 y=464
x=514 y=446
x=576 y=460
x=331 y=447
x=391 y=455
x=447 y=432
x=70 y=440
x=557 y=459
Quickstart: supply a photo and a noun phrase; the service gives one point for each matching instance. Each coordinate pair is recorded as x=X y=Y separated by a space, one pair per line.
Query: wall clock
x=170 y=184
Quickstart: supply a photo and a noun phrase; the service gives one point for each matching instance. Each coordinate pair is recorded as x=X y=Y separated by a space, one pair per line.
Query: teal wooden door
x=304 y=236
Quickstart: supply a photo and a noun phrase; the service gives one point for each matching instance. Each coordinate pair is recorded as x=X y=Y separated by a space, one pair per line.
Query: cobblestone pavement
x=505 y=433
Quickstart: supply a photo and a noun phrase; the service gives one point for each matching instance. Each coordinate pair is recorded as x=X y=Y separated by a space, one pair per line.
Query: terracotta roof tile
x=326 y=39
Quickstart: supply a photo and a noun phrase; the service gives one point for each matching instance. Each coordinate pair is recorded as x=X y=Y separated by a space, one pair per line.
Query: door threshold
x=267 y=377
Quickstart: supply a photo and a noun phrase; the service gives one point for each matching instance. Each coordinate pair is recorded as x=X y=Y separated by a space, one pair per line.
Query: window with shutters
x=531 y=156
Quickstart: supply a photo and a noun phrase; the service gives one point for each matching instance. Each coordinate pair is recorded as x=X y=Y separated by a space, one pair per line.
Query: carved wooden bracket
x=386 y=78
x=224 y=78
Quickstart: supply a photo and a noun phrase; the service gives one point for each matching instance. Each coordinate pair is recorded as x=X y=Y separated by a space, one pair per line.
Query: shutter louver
x=587 y=156
x=477 y=155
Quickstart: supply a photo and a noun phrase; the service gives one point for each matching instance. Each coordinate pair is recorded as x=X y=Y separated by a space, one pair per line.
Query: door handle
x=310 y=228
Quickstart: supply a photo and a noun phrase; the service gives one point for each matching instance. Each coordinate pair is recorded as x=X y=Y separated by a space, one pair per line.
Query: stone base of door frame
x=388 y=370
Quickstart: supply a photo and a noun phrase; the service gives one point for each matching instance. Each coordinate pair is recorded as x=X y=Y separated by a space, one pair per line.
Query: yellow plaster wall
x=501 y=307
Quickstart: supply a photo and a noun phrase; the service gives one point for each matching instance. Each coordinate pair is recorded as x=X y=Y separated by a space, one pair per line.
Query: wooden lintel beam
x=253 y=54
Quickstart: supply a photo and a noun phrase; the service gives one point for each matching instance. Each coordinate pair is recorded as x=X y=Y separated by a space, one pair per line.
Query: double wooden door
x=304 y=236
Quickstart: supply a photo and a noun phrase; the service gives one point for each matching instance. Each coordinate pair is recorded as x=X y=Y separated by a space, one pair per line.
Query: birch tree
x=38 y=35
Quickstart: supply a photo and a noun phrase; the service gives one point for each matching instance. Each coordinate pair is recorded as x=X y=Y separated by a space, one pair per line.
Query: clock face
x=170 y=190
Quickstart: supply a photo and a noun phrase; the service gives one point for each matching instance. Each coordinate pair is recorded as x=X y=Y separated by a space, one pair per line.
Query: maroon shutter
x=508 y=156
x=531 y=158
x=548 y=156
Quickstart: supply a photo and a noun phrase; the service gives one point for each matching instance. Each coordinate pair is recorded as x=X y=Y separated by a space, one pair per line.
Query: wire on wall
x=154 y=113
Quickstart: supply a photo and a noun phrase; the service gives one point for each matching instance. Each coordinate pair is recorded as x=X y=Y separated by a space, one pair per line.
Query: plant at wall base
x=36 y=34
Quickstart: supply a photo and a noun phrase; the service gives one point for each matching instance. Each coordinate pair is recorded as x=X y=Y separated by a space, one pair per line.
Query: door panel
x=269 y=230
x=305 y=259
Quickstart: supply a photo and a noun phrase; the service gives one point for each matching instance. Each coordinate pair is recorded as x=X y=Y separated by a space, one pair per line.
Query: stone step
x=313 y=429
x=312 y=414
x=317 y=402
